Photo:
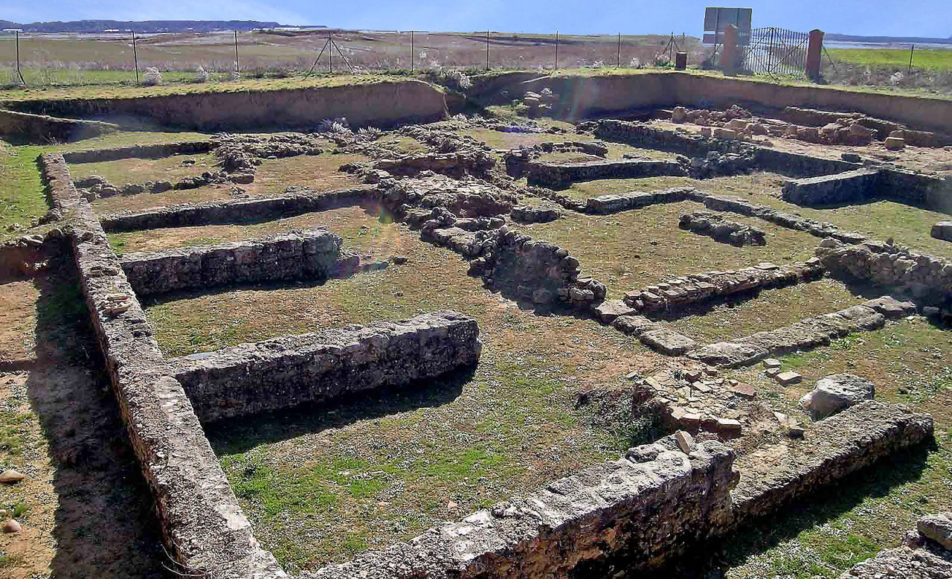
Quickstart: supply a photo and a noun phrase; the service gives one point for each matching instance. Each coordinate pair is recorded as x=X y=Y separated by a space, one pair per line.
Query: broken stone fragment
x=937 y=528
x=787 y=378
x=11 y=476
x=11 y=526
x=685 y=441
x=835 y=393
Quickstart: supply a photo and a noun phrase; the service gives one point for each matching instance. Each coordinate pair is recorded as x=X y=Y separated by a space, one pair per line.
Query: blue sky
x=879 y=17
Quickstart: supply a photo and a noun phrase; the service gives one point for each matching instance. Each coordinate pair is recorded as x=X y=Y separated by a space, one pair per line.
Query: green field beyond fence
x=939 y=59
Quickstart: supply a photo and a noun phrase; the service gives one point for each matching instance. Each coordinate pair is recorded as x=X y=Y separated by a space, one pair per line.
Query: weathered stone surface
x=835 y=393
x=292 y=370
x=802 y=335
x=721 y=229
x=850 y=187
x=606 y=204
x=199 y=514
x=788 y=378
x=904 y=563
x=609 y=310
x=561 y=176
x=832 y=449
x=925 y=277
x=288 y=205
x=942 y=230
x=698 y=288
x=11 y=476
x=615 y=516
x=667 y=341
x=293 y=256
x=937 y=528
x=542 y=213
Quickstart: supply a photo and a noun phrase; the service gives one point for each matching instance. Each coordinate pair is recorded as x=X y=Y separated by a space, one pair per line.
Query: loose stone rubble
x=942 y=230
x=289 y=371
x=721 y=229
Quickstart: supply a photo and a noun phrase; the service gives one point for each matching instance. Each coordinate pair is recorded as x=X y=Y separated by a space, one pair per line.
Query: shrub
x=202 y=74
x=152 y=77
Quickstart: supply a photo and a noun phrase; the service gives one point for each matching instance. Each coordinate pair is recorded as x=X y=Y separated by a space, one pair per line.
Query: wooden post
x=237 y=68
x=814 y=55
x=487 y=49
x=20 y=74
x=618 y=56
x=556 y=50
x=412 y=51
x=330 y=53
x=135 y=56
x=912 y=50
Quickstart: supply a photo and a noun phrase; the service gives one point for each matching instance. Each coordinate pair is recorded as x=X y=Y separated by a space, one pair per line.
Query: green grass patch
x=938 y=59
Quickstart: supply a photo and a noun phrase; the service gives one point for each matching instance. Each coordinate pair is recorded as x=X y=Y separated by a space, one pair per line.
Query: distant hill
x=832 y=37
x=144 y=26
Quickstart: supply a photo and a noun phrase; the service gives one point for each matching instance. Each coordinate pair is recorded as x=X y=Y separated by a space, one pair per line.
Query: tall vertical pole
x=135 y=56
x=237 y=68
x=618 y=55
x=487 y=49
x=20 y=74
x=412 y=51
x=330 y=54
x=556 y=50
x=912 y=49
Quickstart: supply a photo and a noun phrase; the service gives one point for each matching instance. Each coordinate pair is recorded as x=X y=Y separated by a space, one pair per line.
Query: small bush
x=202 y=74
x=152 y=77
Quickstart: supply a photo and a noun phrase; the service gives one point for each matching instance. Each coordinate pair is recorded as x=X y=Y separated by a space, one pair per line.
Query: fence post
x=412 y=52
x=814 y=55
x=19 y=74
x=912 y=50
x=729 y=55
x=556 y=50
x=135 y=56
x=330 y=53
x=488 y=32
x=618 y=55
x=237 y=68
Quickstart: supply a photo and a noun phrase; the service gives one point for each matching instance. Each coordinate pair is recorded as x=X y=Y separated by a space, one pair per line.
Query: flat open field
x=931 y=58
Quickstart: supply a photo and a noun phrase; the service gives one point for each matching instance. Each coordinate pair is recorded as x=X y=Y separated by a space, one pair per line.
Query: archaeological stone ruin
x=711 y=280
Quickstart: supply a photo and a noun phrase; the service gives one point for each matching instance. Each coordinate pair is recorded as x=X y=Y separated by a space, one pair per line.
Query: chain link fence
x=123 y=58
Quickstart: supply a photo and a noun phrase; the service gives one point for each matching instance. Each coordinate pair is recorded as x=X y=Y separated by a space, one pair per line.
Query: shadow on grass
x=715 y=558
x=237 y=435
x=104 y=522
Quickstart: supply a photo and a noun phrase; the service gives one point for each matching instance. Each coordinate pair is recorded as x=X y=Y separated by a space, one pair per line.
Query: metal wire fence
x=124 y=57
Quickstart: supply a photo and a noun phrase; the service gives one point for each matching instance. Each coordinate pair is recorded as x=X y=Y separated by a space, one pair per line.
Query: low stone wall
x=848 y=187
x=139 y=152
x=694 y=145
x=200 y=517
x=803 y=335
x=925 y=277
x=788 y=220
x=656 y=335
x=294 y=256
x=721 y=229
x=629 y=514
x=606 y=204
x=863 y=184
x=561 y=176
x=293 y=370
x=834 y=448
x=537 y=271
x=542 y=213
x=42 y=129
x=262 y=208
x=698 y=288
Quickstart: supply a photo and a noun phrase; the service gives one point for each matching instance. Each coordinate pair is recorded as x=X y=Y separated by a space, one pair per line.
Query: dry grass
x=634 y=249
